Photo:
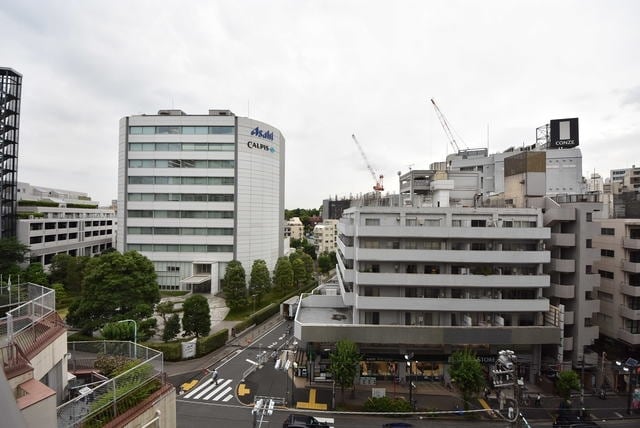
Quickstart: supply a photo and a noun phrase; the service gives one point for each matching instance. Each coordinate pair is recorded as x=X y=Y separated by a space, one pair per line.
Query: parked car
x=302 y=421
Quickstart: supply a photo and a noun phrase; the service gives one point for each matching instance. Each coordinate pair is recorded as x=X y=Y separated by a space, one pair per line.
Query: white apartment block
x=65 y=228
x=325 y=235
x=432 y=280
x=619 y=269
x=197 y=191
x=294 y=228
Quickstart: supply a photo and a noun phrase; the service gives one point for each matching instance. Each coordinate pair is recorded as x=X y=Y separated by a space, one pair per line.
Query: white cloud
x=320 y=71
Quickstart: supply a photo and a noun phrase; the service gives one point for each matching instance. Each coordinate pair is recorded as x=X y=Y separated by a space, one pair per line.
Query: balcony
x=569 y=318
x=632 y=314
x=628 y=337
x=631 y=244
x=400 y=335
x=453 y=256
x=567 y=343
x=447 y=232
x=563 y=239
x=452 y=305
x=556 y=215
x=448 y=280
x=591 y=306
x=629 y=290
x=630 y=266
x=563 y=291
x=563 y=265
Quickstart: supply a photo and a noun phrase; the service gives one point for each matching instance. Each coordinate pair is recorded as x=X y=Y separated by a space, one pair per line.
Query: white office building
x=55 y=221
x=197 y=191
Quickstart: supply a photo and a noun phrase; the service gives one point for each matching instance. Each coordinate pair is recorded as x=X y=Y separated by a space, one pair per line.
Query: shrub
x=170 y=351
x=206 y=345
x=387 y=404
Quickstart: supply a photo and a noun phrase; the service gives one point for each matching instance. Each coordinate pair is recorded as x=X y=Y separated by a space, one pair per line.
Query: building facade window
x=607 y=253
x=607 y=231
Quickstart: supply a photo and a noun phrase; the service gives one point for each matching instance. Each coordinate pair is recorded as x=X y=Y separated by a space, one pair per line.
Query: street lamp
x=408 y=358
x=135 y=336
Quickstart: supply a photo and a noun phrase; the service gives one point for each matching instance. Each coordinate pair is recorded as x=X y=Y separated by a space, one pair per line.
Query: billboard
x=564 y=133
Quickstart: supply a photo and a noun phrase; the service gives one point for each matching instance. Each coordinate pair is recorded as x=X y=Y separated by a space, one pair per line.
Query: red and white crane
x=377 y=178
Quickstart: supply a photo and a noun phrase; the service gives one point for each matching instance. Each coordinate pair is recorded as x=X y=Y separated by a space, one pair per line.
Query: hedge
x=206 y=345
x=82 y=206
x=171 y=351
x=26 y=203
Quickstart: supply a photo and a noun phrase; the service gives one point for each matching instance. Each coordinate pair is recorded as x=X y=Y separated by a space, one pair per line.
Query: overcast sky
x=320 y=71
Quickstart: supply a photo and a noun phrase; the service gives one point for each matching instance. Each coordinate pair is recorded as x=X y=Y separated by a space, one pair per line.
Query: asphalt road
x=242 y=377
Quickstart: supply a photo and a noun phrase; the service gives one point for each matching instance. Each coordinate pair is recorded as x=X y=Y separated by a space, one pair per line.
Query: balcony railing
x=97 y=405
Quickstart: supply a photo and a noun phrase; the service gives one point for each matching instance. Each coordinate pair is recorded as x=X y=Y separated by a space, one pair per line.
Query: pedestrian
x=214 y=376
x=538 y=400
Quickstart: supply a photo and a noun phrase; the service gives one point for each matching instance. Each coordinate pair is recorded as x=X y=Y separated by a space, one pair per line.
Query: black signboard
x=564 y=133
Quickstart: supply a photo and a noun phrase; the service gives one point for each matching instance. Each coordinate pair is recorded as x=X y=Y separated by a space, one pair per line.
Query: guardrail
x=95 y=406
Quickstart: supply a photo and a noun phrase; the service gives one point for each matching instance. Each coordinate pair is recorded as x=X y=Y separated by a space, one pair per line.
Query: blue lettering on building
x=257 y=132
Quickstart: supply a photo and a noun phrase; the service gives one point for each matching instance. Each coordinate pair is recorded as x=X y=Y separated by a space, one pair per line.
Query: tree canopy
x=466 y=372
x=235 y=285
x=171 y=328
x=12 y=253
x=283 y=275
x=344 y=363
x=567 y=381
x=260 y=280
x=196 y=318
x=69 y=271
x=116 y=286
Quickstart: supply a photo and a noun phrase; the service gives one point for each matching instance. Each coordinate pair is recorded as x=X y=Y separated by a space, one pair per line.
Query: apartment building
x=197 y=191
x=574 y=278
x=55 y=221
x=294 y=228
x=618 y=242
x=431 y=280
x=324 y=236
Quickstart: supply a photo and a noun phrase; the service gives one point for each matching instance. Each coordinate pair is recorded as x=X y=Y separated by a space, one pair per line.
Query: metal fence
x=34 y=302
x=98 y=403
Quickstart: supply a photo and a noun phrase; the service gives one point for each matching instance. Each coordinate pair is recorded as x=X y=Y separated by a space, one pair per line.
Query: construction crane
x=378 y=179
x=446 y=127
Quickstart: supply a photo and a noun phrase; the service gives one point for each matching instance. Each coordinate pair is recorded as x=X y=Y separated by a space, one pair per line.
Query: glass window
x=162 y=163
x=607 y=231
x=194 y=197
x=221 y=130
x=218 y=147
x=148 y=147
x=187 y=163
x=135 y=130
x=161 y=196
x=174 y=197
x=140 y=180
x=372 y=222
x=220 y=198
x=188 y=147
x=174 y=163
x=134 y=196
x=198 y=164
x=135 y=147
x=174 y=180
x=141 y=213
x=168 y=130
x=166 y=231
x=162 y=180
x=148 y=130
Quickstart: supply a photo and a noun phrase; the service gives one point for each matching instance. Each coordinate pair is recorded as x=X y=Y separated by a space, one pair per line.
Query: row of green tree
x=295 y=271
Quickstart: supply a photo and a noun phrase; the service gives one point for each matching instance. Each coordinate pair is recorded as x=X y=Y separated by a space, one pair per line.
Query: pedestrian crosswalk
x=207 y=390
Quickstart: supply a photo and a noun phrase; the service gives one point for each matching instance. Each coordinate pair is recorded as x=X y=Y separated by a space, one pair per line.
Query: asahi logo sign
x=564 y=133
x=261 y=133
